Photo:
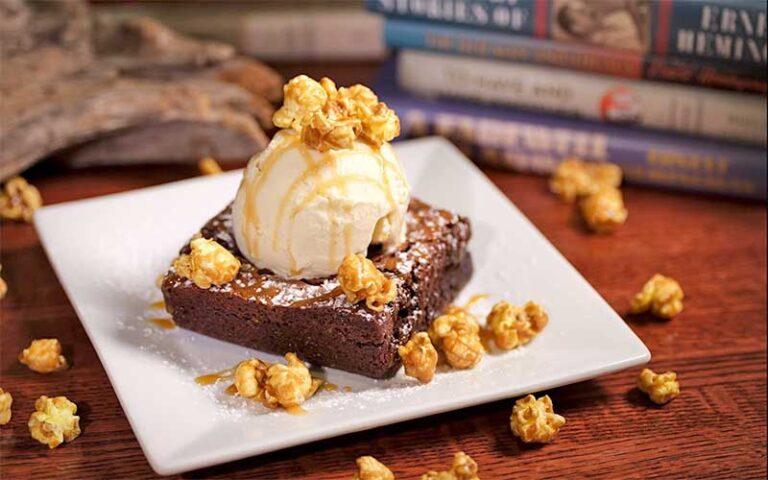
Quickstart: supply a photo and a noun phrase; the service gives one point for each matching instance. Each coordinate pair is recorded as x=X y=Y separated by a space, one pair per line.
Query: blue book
x=446 y=38
x=732 y=31
x=536 y=143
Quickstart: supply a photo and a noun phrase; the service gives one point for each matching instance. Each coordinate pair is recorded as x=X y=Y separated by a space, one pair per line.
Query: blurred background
x=673 y=92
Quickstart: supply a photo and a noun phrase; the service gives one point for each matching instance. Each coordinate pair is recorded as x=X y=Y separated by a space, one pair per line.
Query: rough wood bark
x=159 y=143
x=65 y=82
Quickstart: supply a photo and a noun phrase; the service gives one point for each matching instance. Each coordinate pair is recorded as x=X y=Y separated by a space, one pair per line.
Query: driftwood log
x=89 y=92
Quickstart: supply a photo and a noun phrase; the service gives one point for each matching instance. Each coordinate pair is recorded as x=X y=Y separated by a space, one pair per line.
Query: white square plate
x=108 y=251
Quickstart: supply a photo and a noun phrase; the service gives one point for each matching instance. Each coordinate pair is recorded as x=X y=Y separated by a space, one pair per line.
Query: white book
x=699 y=111
x=313 y=35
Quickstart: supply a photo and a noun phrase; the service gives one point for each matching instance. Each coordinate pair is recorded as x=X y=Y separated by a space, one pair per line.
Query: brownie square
x=312 y=318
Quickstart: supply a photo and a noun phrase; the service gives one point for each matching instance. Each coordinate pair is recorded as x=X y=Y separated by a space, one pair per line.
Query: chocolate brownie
x=313 y=318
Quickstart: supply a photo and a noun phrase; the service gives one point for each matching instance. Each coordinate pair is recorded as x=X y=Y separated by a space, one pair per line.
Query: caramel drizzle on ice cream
x=329 y=159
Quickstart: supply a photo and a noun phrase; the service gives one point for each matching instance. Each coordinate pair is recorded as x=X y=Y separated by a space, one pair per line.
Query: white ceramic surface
x=108 y=251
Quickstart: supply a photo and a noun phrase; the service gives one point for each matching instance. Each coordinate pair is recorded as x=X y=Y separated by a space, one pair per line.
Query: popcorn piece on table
x=54 y=421
x=368 y=468
x=329 y=117
x=249 y=378
x=208 y=166
x=603 y=211
x=361 y=280
x=457 y=335
x=44 y=356
x=19 y=200
x=3 y=285
x=208 y=263
x=663 y=296
x=6 y=400
x=534 y=420
x=419 y=357
x=463 y=468
x=288 y=385
x=513 y=326
x=661 y=388
x=574 y=178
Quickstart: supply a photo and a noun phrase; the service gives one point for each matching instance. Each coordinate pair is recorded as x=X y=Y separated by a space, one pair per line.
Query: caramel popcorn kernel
x=328 y=117
x=209 y=166
x=288 y=385
x=360 y=280
x=604 y=211
x=463 y=468
x=661 y=388
x=458 y=336
x=324 y=131
x=249 y=378
x=208 y=263
x=534 y=421
x=574 y=178
x=301 y=96
x=663 y=296
x=3 y=285
x=44 y=356
x=368 y=468
x=54 y=421
x=19 y=200
x=419 y=357
x=513 y=326
x=6 y=400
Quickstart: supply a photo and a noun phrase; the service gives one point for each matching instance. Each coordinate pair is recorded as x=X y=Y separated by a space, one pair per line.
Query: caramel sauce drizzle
x=160 y=304
x=295 y=410
x=164 y=323
x=231 y=390
x=250 y=212
x=211 y=378
x=308 y=301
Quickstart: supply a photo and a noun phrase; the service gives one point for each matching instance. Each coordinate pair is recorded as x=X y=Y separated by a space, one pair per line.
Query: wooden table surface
x=715 y=429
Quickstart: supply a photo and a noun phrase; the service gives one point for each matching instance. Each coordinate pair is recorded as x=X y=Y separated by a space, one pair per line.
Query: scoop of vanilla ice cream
x=300 y=211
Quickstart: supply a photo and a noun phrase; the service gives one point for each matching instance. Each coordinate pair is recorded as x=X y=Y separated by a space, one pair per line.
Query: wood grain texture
x=715 y=429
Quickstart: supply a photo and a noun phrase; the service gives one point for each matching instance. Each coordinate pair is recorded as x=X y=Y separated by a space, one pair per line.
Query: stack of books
x=672 y=91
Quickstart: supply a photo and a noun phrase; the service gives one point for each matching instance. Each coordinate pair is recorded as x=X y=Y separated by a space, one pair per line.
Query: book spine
x=620 y=63
x=731 y=31
x=522 y=17
x=536 y=143
x=696 y=111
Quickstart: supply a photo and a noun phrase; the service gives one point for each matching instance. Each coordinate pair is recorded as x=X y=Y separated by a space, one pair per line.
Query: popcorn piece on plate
x=208 y=263
x=6 y=400
x=661 y=388
x=54 y=421
x=663 y=296
x=513 y=326
x=419 y=357
x=534 y=420
x=368 y=468
x=288 y=385
x=603 y=211
x=457 y=335
x=249 y=378
x=463 y=468
x=361 y=280
x=44 y=356
x=19 y=200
